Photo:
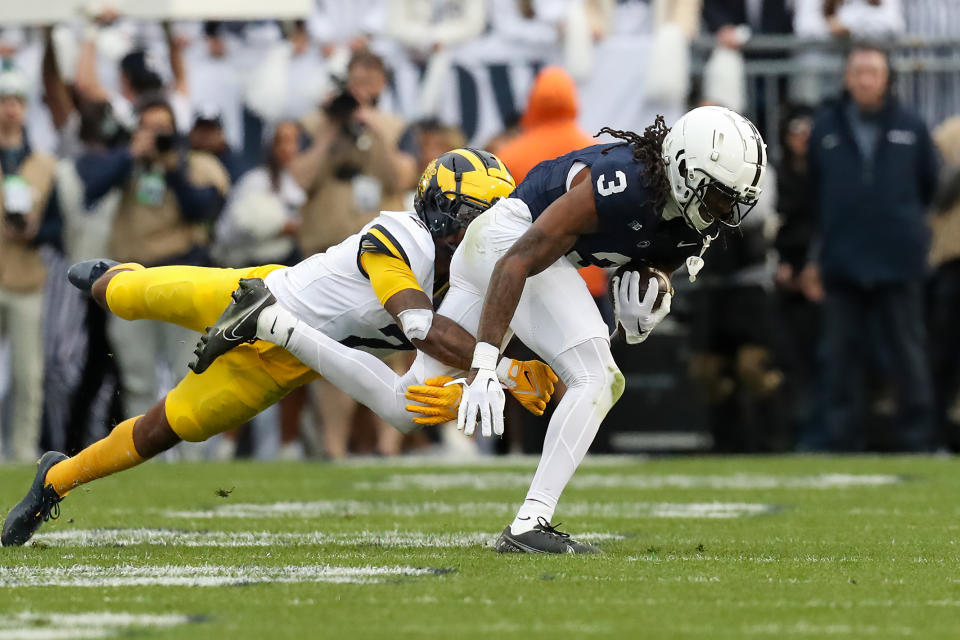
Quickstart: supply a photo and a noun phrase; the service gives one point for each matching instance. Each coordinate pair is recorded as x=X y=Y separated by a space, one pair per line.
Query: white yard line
x=517 y=480
x=512 y=460
x=207 y=575
x=179 y=538
x=323 y=508
x=57 y=626
x=803 y=628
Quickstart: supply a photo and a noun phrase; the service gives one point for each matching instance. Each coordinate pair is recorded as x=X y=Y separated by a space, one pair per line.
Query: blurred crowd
x=230 y=144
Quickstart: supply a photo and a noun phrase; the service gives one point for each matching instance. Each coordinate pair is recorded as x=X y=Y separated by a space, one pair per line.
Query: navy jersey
x=630 y=226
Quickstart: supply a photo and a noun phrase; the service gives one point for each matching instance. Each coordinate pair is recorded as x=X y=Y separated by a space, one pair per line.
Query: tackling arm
x=445 y=341
x=400 y=294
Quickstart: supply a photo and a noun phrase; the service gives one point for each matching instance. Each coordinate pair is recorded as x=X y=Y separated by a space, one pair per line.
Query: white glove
x=637 y=316
x=484 y=395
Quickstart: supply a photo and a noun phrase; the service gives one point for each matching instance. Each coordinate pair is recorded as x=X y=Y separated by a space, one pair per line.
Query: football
x=646 y=272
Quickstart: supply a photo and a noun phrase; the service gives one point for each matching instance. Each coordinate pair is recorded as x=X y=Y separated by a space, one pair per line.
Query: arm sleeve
x=360 y=375
x=388 y=274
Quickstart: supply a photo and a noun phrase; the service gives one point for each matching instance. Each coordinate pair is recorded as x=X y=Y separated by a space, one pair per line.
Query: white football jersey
x=330 y=293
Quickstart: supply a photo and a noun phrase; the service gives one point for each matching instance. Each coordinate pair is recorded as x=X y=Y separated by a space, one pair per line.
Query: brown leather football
x=646 y=272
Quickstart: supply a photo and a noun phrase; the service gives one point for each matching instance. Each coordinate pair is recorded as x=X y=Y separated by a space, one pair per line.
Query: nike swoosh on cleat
x=232 y=336
x=273 y=326
x=687 y=244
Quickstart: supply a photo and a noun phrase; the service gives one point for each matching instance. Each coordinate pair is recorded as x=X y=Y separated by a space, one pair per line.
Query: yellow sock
x=114 y=453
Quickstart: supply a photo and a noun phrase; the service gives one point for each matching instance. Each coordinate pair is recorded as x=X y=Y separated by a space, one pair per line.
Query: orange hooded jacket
x=550 y=129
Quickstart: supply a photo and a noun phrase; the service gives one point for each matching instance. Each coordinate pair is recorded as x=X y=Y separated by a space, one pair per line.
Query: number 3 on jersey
x=605 y=188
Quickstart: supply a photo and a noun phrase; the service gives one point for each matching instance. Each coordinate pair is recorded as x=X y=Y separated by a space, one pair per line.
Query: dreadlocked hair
x=646 y=150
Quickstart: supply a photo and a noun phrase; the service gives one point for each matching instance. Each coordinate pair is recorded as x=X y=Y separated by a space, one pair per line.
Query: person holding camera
x=169 y=196
x=353 y=168
x=27 y=180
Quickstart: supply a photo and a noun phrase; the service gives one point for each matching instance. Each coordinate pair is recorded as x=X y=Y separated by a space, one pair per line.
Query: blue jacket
x=872 y=211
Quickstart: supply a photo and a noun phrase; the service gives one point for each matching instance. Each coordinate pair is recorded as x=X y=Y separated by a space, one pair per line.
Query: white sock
x=527 y=517
x=276 y=325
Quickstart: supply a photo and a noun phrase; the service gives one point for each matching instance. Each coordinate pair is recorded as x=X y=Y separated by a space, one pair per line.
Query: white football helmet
x=716 y=160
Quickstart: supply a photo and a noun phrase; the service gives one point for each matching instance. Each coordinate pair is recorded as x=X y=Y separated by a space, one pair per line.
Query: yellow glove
x=438 y=403
x=531 y=382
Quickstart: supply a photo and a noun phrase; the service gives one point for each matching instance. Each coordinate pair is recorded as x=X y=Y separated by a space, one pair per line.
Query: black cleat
x=236 y=325
x=82 y=275
x=543 y=538
x=40 y=504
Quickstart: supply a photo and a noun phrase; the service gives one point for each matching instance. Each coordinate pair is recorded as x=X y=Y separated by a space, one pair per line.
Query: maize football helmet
x=458 y=186
x=716 y=161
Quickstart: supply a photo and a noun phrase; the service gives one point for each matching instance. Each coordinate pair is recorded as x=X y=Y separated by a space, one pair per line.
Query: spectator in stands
x=168 y=196
x=733 y=21
x=873 y=171
x=798 y=305
x=848 y=18
x=207 y=135
x=139 y=78
x=214 y=68
x=549 y=125
x=262 y=215
x=28 y=178
x=945 y=286
x=353 y=168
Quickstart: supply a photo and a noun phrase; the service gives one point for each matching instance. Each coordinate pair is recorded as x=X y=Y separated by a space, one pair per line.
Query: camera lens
x=164 y=142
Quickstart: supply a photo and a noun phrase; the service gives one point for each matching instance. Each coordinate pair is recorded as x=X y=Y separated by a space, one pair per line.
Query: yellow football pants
x=239 y=384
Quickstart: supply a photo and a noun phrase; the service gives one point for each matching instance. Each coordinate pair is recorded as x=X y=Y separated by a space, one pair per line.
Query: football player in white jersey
x=368 y=292
x=658 y=198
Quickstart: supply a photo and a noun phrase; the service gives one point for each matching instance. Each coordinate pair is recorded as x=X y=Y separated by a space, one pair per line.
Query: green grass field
x=792 y=547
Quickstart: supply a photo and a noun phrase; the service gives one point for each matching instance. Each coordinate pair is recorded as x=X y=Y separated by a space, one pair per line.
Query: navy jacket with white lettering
x=872 y=211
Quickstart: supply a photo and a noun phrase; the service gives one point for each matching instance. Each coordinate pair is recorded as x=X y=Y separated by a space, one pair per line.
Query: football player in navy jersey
x=659 y=197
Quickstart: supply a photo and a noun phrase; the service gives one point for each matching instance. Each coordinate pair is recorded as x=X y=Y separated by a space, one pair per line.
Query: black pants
x=99 y=369
x=945 y=347
x=884 y=326
x=799 y=332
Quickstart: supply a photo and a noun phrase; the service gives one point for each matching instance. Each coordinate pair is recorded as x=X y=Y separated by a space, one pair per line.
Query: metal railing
x=787 y=69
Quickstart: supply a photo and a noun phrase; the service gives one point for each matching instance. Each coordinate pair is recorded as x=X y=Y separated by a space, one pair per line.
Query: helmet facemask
x=458 y=186
x=713 y=202
x=451 y=210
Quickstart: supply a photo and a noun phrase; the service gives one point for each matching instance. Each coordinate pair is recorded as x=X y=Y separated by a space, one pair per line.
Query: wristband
x=485 y=356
